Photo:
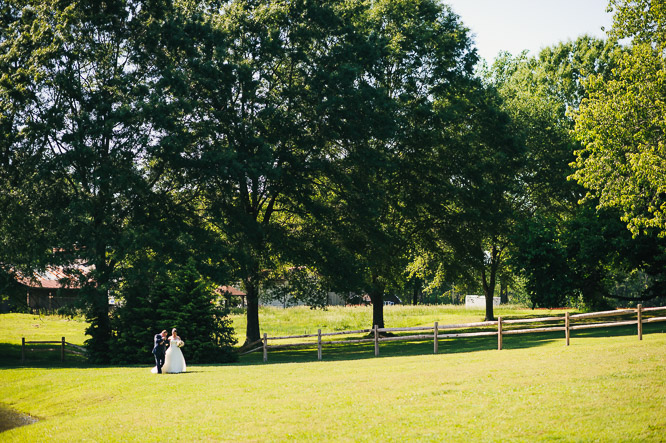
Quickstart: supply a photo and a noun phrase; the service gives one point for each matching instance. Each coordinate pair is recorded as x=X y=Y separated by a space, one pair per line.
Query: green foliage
x=345 y=138
x=539 y=93
x=266 y=94
x=542 y=260
x=27 y=201
x=165 y=296
x=622 y=124
x=641 y=20
x=89 y=141
x=468 y=228
x=398 y=170
x=583 y=260
x=567 y=252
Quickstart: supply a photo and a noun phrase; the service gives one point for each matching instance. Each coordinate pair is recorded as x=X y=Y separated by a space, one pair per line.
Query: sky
x=514 y=25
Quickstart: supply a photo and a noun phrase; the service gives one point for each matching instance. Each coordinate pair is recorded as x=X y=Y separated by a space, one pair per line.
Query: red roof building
x=53 y=288
x=228 y=292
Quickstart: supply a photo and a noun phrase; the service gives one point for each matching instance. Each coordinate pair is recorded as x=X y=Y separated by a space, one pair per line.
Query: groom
x=159 y=349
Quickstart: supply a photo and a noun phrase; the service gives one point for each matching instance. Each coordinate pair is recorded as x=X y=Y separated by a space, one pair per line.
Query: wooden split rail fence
x=64 y=347
x=501 y=329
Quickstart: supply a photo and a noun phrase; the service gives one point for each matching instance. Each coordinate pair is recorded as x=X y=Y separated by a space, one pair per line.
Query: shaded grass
x=10 y=419
x=357 y=351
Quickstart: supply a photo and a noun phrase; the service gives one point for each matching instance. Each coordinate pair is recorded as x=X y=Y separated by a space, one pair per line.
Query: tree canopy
x=345 y=146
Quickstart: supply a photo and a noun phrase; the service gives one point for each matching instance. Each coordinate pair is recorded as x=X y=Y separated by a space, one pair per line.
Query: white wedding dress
x=174 y=362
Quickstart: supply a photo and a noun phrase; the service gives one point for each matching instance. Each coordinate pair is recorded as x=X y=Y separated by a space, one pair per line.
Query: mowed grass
x=601 y=388
x=13 y=327
x=38 y=327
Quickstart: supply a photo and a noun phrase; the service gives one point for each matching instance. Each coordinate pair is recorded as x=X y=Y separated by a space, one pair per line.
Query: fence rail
x=502 y=328
x=64 y=347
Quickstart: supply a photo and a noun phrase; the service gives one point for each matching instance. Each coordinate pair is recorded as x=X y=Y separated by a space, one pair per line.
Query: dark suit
x=159 y=349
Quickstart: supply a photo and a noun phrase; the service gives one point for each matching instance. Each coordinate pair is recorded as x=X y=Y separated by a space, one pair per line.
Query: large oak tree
x=80 y=74
x=267 y=92
x=388 y=180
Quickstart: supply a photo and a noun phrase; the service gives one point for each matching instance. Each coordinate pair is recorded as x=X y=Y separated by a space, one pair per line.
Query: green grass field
x=601 y=388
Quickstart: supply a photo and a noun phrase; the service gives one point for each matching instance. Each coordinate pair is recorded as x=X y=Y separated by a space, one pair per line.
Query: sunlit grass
x=597 y=389
x=41 y=327
x=35 y=327
x=606 y=386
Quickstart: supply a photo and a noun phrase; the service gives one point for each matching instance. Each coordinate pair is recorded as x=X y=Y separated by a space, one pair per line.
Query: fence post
x=22 y=350
x=62 y=350
x=436 y=337
x=566 y=327
x=499 y=333
x=319 y=344
x=639 y=309
x=376 y=341
x=265 y=347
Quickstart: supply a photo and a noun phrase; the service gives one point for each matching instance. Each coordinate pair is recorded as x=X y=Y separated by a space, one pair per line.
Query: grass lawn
x=602 y=388
x=37 y=328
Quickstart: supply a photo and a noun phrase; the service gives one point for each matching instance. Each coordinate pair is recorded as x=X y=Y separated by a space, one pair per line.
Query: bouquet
x=180 y=343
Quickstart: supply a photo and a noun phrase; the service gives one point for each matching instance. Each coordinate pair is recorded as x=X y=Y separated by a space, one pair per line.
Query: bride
x=174 y=362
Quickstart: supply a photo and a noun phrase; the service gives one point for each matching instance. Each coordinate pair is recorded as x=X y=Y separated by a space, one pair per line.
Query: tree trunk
x=504 y=293
x=417 y=291
x=252 y=332
x=98 y=314
x=100 y=323
x=489 y=285
x=377 y=298
x=377 y=309
x=488 y=292
x=100 y=326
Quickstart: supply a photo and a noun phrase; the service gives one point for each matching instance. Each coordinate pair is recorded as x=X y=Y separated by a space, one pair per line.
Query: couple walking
x=170 y=360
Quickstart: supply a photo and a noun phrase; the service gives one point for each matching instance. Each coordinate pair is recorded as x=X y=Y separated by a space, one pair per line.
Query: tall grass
x=303 y=320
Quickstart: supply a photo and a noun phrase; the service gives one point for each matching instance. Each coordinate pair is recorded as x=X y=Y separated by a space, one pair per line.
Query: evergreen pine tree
x=164 y=296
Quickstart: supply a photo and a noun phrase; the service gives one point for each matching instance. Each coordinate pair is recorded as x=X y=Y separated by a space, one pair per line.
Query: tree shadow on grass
x=356 y=351
x=44 y=356
x=38 y=356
